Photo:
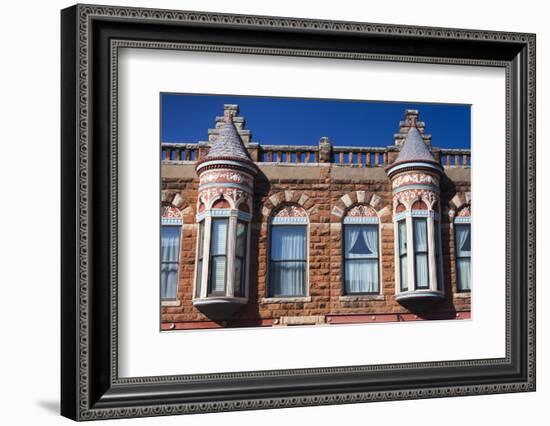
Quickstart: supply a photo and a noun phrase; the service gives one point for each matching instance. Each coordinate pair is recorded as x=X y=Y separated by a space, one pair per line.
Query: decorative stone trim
x=169 y=303
x=361 y=219
x=171 y=221
x=458 y=204
x=300 y=320
x=361 y=297
x=298 y=299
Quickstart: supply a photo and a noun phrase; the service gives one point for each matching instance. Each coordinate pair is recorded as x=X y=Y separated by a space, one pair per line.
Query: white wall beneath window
x=29 y=225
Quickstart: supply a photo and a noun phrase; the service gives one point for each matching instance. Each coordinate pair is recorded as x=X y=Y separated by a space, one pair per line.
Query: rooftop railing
x=310 y=154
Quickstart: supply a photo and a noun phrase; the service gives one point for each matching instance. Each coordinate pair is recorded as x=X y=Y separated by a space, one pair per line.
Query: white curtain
x=218 y=252
x=361 y=258
x=421 y=252
x=169 y=258
x=288 y=260
x=463 y=256
x=402 y=231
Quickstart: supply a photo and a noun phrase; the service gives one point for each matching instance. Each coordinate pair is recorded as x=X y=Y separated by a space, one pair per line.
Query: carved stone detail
x=362 y=211
x=233 y=195
x=170 y=212
x=408 y=197
x=414 y=178
x=290 y=211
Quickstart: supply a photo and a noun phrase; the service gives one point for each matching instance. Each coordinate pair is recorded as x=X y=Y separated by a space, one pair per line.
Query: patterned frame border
x=86 y=13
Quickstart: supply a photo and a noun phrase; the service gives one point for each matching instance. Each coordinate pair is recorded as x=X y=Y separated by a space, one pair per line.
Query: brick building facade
x=257 y=235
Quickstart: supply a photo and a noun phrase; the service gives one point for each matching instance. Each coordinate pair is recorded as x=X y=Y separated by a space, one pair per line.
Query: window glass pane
x=402 y=230
x=217 y=277
x=421 y=252
x=463 y=247
x=200 y=240
x=219 y=236
x=199 y=278
x=239 y=278
x=420 y=235
x=463 y=240
x=437 y=231
x=402 y=243
x=288 y=278
x=463 y=273
x=361 y=259
x=240 y=249
x=288 y=242
x=361 y=241
x=288 y=260
x=361 y=276
x=169 y=257
x=404 y=272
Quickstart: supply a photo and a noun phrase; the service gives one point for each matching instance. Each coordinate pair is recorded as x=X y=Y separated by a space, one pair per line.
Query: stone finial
x=230 y=112
x=325 y=150
x=411 y=117
x=411 y=120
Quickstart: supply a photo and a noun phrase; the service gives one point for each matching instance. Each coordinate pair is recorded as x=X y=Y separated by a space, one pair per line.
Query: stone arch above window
x=278 y=199
x=350 y=200
x=460 y=204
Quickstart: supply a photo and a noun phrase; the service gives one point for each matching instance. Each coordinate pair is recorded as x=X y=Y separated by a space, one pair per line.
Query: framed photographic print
x=264 y=212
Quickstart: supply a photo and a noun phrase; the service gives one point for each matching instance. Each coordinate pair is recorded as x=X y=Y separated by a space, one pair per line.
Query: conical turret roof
x=228 y=144
x=414 y=148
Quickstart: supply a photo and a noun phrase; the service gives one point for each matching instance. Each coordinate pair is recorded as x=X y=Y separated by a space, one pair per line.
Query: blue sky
x=298 y=121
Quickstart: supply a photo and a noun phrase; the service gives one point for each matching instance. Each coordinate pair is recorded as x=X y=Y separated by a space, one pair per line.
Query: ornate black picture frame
x=91 y=37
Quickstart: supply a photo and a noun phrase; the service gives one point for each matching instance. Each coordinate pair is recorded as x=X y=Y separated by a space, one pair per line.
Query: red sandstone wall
x=325 y=252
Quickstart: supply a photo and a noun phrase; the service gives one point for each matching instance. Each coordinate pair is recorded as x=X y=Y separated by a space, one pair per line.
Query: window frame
x=402 y=285
x=416 y=253
x=378 y=258
x=458 y=223
x=269 y=282
x=209 y=291
x=243 y=259
x=170 y=224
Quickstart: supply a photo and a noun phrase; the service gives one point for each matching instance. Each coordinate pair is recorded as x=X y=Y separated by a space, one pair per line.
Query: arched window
x=288 y=252
x=170 y=236
x=463 y=249
x=361 y=251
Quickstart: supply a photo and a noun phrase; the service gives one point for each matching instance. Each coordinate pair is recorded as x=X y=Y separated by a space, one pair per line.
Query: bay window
x=417 y=257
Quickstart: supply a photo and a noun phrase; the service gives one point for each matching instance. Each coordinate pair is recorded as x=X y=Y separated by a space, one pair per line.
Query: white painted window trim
x=268 y=260
x=374 y=220
x=178 y=223
x=434 y=277
x=233 y=216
